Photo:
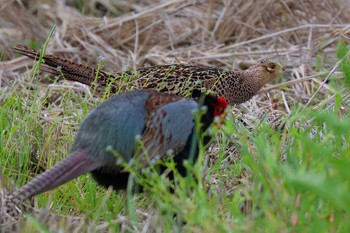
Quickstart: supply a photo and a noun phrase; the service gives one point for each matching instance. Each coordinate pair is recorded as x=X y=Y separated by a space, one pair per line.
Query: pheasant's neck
x=252 y=80
x=240 y=88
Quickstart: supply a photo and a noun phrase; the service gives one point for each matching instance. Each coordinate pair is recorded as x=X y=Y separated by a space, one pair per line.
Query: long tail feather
x=69 y=168
x=71 y=70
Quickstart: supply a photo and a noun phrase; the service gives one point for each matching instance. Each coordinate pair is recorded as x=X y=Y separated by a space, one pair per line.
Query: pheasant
x=139 y=125
x=235 y=86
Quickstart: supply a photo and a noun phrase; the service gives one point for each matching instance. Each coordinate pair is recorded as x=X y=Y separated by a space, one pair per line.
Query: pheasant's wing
x=168 y=130
x=112 y=127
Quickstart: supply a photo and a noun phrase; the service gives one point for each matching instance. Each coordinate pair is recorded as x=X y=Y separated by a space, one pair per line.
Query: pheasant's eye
x=271 y=68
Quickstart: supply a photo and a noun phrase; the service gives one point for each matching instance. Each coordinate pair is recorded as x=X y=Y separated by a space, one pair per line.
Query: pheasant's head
x=267 y=71
x=216 y=105
x=219 y=106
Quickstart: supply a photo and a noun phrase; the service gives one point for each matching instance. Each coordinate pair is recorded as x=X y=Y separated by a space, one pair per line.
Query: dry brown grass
x=207 y=32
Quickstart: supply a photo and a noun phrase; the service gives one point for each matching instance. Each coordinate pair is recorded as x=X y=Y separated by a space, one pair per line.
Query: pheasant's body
x=109 y=135
x=236 y=86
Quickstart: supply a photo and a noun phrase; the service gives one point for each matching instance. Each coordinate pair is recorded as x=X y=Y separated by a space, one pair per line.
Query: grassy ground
x=279 y=164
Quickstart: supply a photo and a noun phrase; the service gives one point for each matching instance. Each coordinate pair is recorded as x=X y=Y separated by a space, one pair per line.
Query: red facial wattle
x=220 y=106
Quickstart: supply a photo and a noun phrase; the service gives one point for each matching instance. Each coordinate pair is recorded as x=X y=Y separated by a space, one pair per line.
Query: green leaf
x=343 y=54
x=330 y=189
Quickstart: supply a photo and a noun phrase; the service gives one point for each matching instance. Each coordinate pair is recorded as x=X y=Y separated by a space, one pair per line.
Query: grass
x=279 y=163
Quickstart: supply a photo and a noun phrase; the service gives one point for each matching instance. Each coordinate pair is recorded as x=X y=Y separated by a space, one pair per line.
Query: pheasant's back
x=174 y=79
x=183 y=79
